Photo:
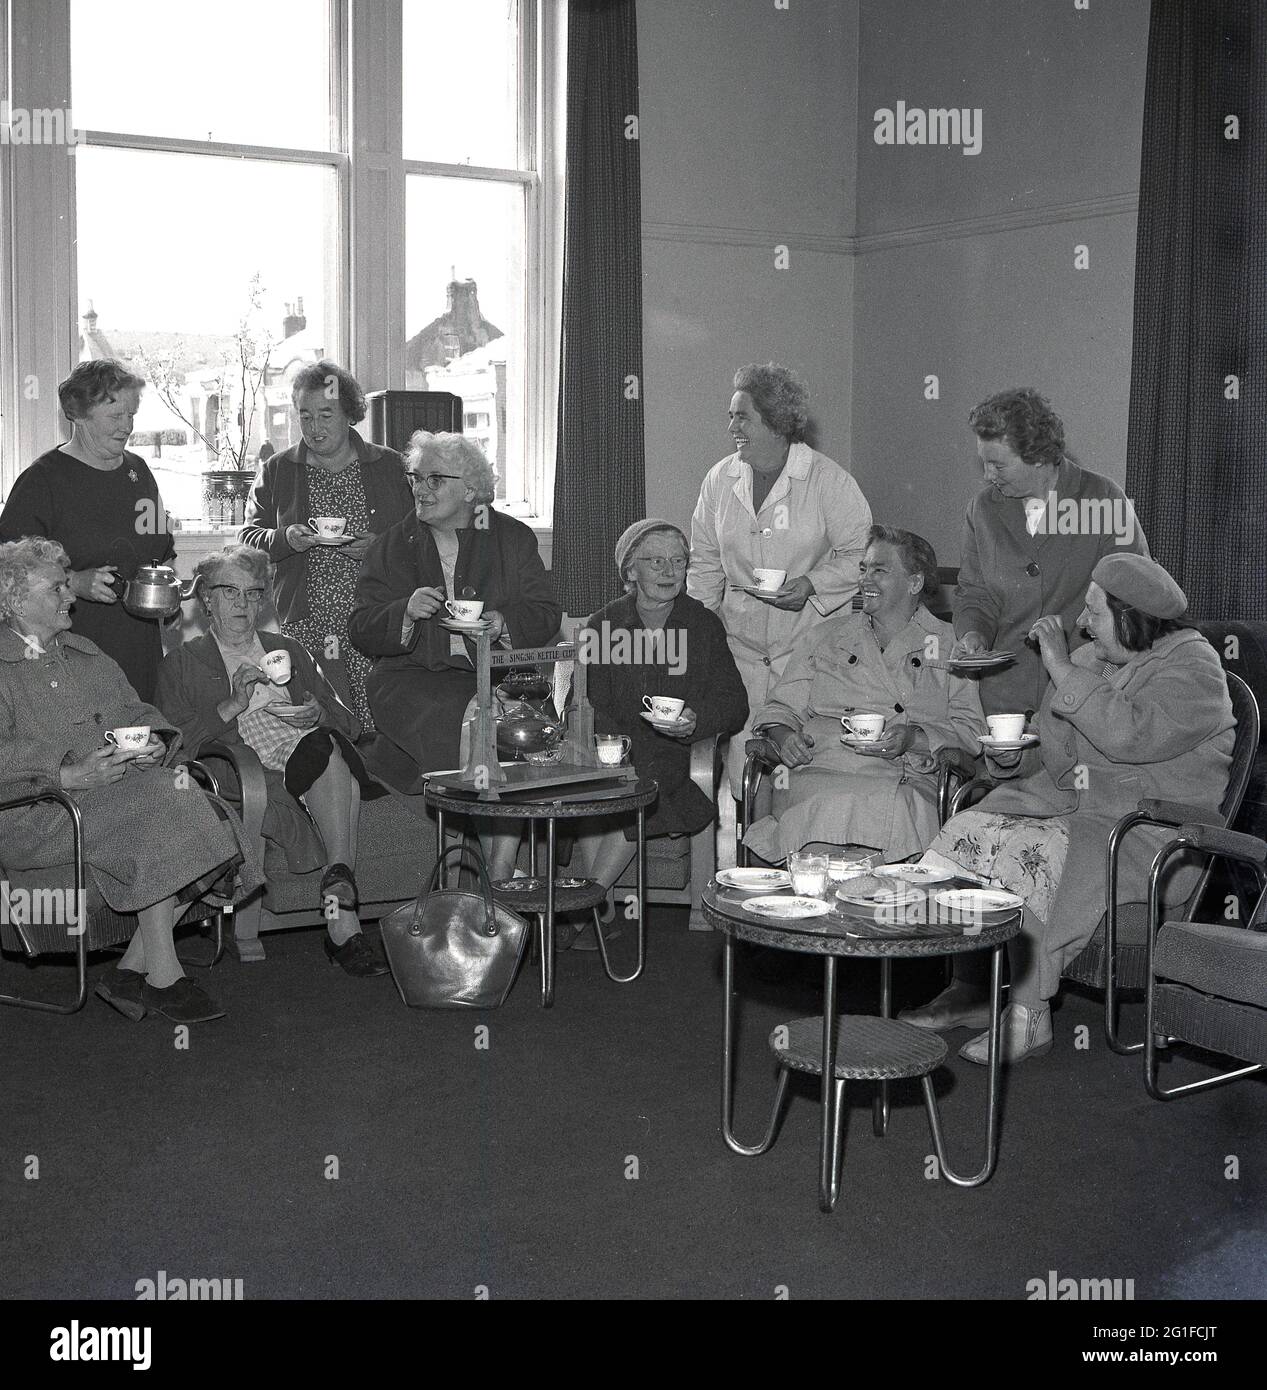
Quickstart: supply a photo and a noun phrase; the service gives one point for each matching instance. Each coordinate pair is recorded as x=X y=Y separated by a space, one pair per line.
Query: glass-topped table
x=861 y=1047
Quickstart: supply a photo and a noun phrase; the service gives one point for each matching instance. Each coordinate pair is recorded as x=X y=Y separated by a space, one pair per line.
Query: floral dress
x=332 y=588
x=1024 y=854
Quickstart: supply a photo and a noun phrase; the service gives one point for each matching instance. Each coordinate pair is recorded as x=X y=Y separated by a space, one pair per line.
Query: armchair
x=1116 y=956
x=84 y=922
x=1207 y=982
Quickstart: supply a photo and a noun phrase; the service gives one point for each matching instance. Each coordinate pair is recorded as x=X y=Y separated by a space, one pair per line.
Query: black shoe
x=182 y=1002
x=339 y=882
x=121 y=989
x=586 y=940
x=356 y=956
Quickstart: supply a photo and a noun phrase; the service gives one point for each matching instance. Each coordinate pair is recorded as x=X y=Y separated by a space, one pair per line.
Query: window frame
x=365 y=306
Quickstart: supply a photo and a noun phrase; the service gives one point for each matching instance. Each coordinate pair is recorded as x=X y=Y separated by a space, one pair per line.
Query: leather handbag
x=452 y=948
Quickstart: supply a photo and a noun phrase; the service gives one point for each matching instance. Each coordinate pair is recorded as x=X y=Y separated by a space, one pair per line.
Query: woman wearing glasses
x=331 y=472
x=214 y=687
x=453 y=546
x=655 y=641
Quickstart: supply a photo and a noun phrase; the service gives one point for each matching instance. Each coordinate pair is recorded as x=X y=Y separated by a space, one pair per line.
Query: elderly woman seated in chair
x=878 y=794
x=1140 y=712
x=655 y=642
x=70 y=721
x=227 y=686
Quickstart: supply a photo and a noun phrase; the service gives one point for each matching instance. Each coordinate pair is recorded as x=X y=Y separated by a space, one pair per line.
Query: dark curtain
x=1197 y=446
x=600 y=477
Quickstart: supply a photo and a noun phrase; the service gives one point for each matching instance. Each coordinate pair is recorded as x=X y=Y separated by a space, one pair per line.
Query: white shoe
x=1026 y=1032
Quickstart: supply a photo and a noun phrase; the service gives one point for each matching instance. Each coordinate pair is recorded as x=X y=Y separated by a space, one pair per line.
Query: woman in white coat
x=774 y=503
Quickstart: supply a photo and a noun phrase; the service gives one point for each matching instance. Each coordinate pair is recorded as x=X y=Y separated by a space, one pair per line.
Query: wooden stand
x=484 y=773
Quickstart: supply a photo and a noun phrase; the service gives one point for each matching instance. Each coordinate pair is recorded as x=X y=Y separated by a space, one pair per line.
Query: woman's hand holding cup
x=300 y=538
x=424 y=602
x=99 y=768
x=240 y=695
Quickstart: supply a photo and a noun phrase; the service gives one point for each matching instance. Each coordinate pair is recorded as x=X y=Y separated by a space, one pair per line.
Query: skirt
x=1024 y=854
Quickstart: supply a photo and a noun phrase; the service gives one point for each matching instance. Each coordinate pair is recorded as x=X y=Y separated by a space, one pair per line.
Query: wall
x=966 y=262
x=747 y=124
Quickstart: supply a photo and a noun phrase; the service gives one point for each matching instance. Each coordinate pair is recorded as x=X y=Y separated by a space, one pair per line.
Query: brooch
x=132 y=473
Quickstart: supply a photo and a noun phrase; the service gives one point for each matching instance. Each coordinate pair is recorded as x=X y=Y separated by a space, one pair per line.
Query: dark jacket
x=193 y=680
x=499 y=561
x=279 y=498
x=700 y=671
x=1008 y=579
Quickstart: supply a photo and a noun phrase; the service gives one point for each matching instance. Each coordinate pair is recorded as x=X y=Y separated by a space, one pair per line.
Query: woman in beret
x=102 y=505
x=1141 y=711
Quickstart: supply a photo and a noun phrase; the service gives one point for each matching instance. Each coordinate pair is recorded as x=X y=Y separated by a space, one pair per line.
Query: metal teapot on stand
x=155 y=591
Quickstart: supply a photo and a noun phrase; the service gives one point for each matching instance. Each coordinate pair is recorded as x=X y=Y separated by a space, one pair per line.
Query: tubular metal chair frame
x=1172 y=815
x=80 y=929
x=1215 y=843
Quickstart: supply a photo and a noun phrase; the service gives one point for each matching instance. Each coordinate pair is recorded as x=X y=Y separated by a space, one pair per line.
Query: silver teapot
x=155 y=591
x=521 y=728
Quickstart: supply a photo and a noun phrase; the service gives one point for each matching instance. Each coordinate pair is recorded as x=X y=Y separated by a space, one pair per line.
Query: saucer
x=754 y=589
x=455 y=625
x=853 y=741
x=286 y=711
x=668 y=726
x=344 y=539
x=754 y=880
x=1007 y=745
x=979 y=660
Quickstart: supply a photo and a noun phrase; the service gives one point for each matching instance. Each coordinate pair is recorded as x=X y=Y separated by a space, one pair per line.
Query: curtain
x=600 y=474
x=1197 y=442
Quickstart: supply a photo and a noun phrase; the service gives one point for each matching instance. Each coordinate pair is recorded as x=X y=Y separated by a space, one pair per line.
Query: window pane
x=167 y=276
x=464 y=294
x=461 y=82
x=238 y=70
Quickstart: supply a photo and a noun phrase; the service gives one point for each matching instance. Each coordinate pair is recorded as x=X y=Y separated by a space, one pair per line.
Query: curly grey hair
x=779 y=396
x=255 y=562
x=458 y=454
x=18 y=562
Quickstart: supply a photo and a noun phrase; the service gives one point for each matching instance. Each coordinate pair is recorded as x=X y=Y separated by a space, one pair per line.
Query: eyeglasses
x=661 y=563
x=236 y=595
x=431 y=481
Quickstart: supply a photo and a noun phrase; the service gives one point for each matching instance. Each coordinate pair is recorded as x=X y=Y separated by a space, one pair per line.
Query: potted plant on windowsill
x=235 y=385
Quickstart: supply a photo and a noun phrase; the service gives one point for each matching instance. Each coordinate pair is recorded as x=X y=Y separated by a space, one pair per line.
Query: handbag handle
x=486 y=887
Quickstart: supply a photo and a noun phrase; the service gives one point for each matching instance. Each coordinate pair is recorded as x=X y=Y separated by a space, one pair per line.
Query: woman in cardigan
x=656 y=641
x=1140 y=712
x=213 y=687
x=101 y=504
x=454 y=545
x=148 y=835
x=331 y=472
x=1031 y=538
x=774 y=503
x=881 y=795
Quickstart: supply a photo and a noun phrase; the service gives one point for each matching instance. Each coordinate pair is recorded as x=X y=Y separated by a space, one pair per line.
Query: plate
x=669 y=726
x=1007 y=745
x=916 y=874
x=897 y=896
x=454 y=625
x=787 y=909
x=754 y=880
x=981 y=659
x=972 y=902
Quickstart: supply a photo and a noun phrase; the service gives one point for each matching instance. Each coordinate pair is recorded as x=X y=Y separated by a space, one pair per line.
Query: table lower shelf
x=867 y=1048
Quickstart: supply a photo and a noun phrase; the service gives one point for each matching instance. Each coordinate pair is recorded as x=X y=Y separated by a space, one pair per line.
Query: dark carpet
x=579 y=1154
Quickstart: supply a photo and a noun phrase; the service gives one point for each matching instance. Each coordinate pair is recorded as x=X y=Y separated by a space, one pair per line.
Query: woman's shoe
x=587 y=939
x=339 y=882
x=182 y=1002
x=121 y=989
x=1026 y=1032
x=959 y=1005
x=356 y=956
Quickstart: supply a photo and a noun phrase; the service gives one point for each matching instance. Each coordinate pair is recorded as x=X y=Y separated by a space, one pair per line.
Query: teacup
x=131 y=738
x=465 y=610
x=1006 y=728
x=769 y=581
x=667 y=710
x=276 y=666
x=866 y=728
x=329 y=528
x=612 y=748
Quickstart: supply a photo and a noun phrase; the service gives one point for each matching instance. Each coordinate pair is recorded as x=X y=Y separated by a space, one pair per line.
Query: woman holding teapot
x=102 y=505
